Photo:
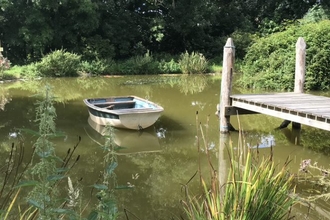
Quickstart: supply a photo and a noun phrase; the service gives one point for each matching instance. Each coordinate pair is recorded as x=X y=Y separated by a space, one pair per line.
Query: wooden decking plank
x=306 y=109
x=278 y=95
x=271 y=99
x=284 y=115
x=302 y=108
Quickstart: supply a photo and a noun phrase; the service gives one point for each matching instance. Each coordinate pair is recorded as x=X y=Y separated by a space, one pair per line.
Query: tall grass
x=192 y=63
x=255 y=189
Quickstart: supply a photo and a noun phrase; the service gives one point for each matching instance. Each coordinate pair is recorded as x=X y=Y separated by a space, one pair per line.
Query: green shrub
x=169 y=66
x=96 y=67
x=139 y=65
x=270 y=62
x=242 y=41
x=58 y=64
x=17 y=72
x=192 y=63
x=316 y=14
x=29 y=71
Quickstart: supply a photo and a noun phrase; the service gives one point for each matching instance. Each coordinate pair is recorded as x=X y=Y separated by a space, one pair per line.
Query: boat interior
x=116 y=105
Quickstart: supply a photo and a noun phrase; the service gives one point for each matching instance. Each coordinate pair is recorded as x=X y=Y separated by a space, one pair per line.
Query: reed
x=256 y=188
x=192 y=63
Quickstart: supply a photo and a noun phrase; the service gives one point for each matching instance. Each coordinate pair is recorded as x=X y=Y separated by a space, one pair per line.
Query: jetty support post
x=1 y=50
x=226 y=84
x=300 y=71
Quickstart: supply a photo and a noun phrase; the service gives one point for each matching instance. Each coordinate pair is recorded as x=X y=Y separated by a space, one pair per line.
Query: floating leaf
x=24 y=183
x=100 y=186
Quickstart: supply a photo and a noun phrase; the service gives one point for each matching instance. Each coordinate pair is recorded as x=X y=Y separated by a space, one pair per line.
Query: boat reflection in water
x=131 y=141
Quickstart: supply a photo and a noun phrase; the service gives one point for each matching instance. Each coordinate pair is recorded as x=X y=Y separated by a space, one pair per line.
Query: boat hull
x=142 y=114
x=130 y=141
x=128 y=121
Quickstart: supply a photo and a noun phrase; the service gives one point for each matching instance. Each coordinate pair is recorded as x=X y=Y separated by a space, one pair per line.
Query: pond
x=155 y=163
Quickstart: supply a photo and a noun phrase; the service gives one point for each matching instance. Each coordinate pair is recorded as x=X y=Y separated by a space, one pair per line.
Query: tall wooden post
x=300 y=71
x=226 y=81
x=300 y=66
x=1 y=49
x=222 y=164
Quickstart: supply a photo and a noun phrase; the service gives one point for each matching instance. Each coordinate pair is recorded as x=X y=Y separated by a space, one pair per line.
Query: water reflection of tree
x=316 y=139
x=191 y=84
x=163 y=179
x=65 y=89
x=95 y=83
x=4 y=98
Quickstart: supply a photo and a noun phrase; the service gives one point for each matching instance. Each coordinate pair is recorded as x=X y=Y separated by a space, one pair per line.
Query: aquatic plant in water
x=256 y=188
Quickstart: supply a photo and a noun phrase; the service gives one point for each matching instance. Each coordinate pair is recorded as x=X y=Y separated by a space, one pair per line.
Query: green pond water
x=157 y=161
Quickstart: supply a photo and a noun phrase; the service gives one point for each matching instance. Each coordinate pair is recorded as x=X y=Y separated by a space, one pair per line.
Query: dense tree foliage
x=270 y=62
x=98 y=29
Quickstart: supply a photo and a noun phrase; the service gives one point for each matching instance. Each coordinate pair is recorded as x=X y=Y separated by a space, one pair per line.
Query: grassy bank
x=64 y=64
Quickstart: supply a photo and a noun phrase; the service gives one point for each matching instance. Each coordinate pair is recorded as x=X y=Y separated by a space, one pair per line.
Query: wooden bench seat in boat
x=132 y=110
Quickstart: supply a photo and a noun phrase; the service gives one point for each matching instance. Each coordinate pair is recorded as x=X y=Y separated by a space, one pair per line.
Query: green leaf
x=62 y=211
x=117 y=148
x=124 y=187
x=24 y=183
x=29 y=131
x=35 y=204
x=105 y=148
x=55 y=177
x=57 y=134
x=111 y=205
x=112 y=167
x=44 y=154
x=61 y=170
x=93 y=215
x=100 y=186
x=55 y=158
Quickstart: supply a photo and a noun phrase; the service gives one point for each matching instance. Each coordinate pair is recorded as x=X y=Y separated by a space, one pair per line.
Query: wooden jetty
x=296 y=107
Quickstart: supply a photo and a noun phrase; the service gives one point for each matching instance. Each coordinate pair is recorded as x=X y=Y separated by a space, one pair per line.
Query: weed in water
x=255 y=189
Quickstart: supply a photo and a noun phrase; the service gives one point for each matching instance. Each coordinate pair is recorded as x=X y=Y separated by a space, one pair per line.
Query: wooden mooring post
x=300 y=72
x=224 y=109
x=226 y=84
x=1 y=49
